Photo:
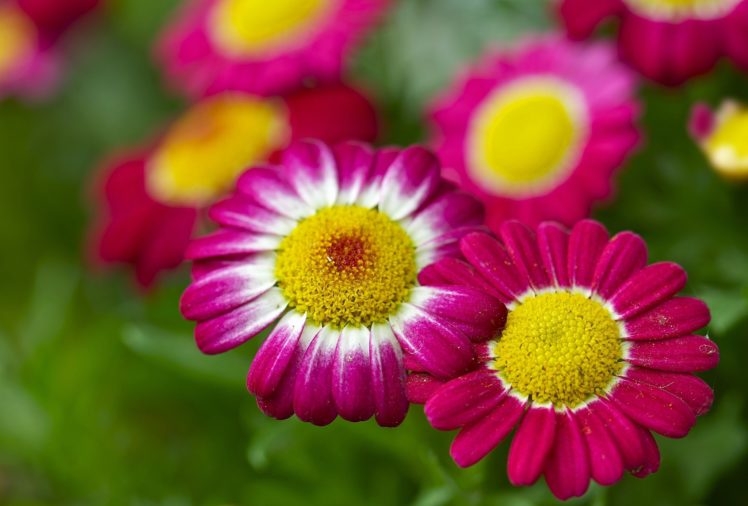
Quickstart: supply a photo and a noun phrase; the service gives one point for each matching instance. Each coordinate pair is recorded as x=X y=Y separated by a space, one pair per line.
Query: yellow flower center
x=17 y=36
x=249 y=27
x=205 y=150
x=523 y=140
x=346 y=265
x=678 y=10
x=560 y=348
x=727 y=145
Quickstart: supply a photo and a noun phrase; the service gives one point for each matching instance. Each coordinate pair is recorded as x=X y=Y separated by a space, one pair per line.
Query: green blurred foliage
x=104 y=398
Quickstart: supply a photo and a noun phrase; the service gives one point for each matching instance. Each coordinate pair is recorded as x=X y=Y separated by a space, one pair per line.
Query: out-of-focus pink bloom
x=538 y=133
x=262 y=47
x=150 y=200
x=53 y=17
x=723 y=136
x=668 y=42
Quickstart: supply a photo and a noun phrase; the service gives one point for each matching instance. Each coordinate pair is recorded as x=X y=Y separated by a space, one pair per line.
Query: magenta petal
x=419 y=387
x=265 y=186
x=387 y=377
x=553 y=244
x=625 y=433
x=351 y=375
x=522 y=247
x=691 y=389
x=652 y=458
x=226 y=242
x=409 y=182
x=587 y=240
x=275 y=354
x=567 y=470
x=280 y=404
x=238 y=212
x=312 y=397
x=647 y=288
x=451 y=271
x=450 y=211
x=490 y=258
x=653 y=408
x=441 y=350
x=624 y=255
x=531 y=445
x=241 y=324
x=354 y=162
x=679 y=354
x=312 y=172
x=475 y=441
x=606 y=464
x=581 y=17
x=464 y=400
x=675 y=317
x=478 y=315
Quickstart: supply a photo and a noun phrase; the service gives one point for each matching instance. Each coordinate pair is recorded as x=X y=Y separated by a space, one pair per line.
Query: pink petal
x=522 y=247
x=691 y=389
x=355 y=161
x=490 y=259
x=567 y=470
x=624 y=255
x=625 y=433
x=475 y=441
x=451 y=271
x=227 y=242
x=653 y=408
x=679 y=354
x=409 y=182
x=581 y=17
x=266 y=186
x=675 y=317
x=450 y=211
x=274 y=356
x=586 y=243
x=441 y=350
x=351 y=375
x=464 y=400
x=241 y=324
x=387 y=377
x=650 y=286
x=238 y=212
x=531 y=445
x=735 y=28
x=606 y=463
x=280 y=404
x=311 y=170
x=652 y=459
x=419 y=387
x=312 y=398
x=370 y=193
x=553 y=245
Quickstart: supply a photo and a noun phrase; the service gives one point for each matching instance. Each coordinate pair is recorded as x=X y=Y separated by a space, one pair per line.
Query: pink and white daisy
x=723 y=136
x=262 y=47
x=668 y=41
x=151 y=199
x=597 y=352
x=539 y=133
x=326 y=248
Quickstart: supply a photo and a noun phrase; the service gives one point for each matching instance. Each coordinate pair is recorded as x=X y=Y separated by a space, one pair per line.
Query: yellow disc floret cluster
x=560 y=348
x=346 y=265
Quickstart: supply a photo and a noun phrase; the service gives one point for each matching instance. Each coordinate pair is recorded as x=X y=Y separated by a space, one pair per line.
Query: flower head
x=152 y=198
x=262 y=47
x=668 y=41
x=723 y=136
x=330 y=243
x=597 y=352
x=535 y=134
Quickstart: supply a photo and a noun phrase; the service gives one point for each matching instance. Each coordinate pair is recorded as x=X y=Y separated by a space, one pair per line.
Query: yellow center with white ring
x=524 y=139
x=17 y=38
x=205 y=150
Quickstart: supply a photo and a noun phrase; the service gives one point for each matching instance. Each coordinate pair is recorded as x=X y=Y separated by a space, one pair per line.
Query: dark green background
x=103 y=397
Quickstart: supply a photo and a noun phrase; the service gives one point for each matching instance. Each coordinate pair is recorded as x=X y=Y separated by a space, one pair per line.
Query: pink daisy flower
x=329 y=244
x=597 y=352
x=668 y=41
x=151 y=199
x=262 y=47
x=538 y=133
x=723 y=136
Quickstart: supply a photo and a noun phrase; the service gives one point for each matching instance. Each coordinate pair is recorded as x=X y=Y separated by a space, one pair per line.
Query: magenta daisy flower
x=723 y=136
x=668 y=41
x=538 y=134
x=597 y=352
x=330 y=243
x=262 y=47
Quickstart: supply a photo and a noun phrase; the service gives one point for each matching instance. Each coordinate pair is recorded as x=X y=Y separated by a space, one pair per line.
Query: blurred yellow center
x=247 y=27
x=17 y=35
x=560 y=348
x=676 y=10
x=205 y=150
x=346 y=265
x=523 y=138
x=727 y=145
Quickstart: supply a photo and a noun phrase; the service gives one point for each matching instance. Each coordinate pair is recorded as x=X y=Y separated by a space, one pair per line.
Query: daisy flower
x=262 y=47
x=538 y=133
x=668 y=41
x=329 y=245
x=723 y=136
x=597 y=352
x=150 y=199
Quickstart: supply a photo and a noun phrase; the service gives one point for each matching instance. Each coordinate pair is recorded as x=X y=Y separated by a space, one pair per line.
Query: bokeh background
x=104 y=398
